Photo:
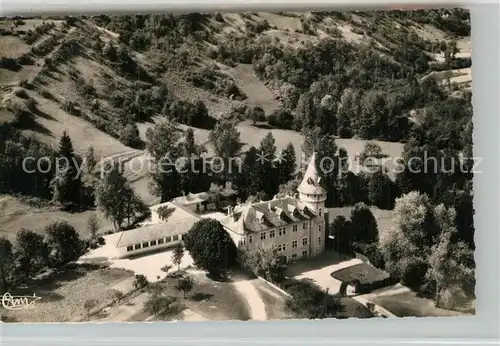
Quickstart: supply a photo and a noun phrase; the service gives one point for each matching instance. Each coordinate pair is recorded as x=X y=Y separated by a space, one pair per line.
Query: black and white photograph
x=237 y=166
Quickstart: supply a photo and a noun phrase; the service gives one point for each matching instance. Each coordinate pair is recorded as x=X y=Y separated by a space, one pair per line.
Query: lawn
x=209 y=299
x=273 y=300
x=409 y=304
x=252 y=135
x=16 y=214
x=64 y=294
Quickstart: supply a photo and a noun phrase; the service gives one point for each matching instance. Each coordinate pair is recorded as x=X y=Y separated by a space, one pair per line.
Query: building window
x=284 y=247
x=137 y=246
x=304 y=225
x=175 y=237
x=168 y=239
x=304 y=241
x=319 y=240
x=285 y=259
x=263 y=236
x=279 y=248
x=294 y=244
x=294 y=229
x=271 y=234
x=319 y=212
x=145 y=244
x=294 y=256
x=161 y=241
x=284 y=231
x=319 y=228
x=304 y=253
x=250 y=239
x=240 y=242
x=130 y=248
x=152 y=243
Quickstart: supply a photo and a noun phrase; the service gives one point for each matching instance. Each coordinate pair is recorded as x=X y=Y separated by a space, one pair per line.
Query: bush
x=9 y=64
x=101 y=241
x=140 y=281
x=281 y=118
x=22 y=93
x=129 y=136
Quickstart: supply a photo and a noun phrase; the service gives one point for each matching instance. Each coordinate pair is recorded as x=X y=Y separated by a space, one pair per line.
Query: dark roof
x=362 y=272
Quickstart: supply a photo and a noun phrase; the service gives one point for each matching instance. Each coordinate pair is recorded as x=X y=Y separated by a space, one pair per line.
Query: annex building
x=294 y=225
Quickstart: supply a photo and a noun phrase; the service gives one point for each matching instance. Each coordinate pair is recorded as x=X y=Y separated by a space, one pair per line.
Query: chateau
x=296 y=225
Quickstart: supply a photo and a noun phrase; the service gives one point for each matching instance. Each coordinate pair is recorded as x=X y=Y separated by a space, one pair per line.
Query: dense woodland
x=327 y=90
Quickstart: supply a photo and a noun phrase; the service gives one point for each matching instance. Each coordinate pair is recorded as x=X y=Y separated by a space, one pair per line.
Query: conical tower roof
x=312 y=182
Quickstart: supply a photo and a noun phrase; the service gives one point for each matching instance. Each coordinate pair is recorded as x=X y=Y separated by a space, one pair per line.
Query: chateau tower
x=311 y=190
x=313 y=195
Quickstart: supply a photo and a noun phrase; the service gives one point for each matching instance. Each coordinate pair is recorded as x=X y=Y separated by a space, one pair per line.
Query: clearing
x=16 y=214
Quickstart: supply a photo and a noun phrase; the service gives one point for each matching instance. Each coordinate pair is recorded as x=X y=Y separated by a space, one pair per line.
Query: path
x=257 y=306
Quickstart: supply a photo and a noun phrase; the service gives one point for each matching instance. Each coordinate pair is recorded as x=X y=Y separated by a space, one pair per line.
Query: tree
x=93 y=225
x=177 y=256
x=371 y=150
x=382 y=191
x=185 y=285
x=263 y=261
x=310 y=301
x=192 y=177
x=341 y=230
x=116 y=198
x=211 y=247
x=247 y=179
x=363 y=224
x=406 y=246
x=64 y=242
x=129 y=136
x=32 y=252
x=450 y=264
x=287 y=164
x=226 y=141
x=162 y=143
x=160 y=306
x=266 y=168
x=256 y=114
x=6 y=263
x=90 y=160
x=140 y=281
x=67 y=184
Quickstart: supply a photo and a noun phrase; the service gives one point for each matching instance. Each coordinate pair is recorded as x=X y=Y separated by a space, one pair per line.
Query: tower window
x=319 y=212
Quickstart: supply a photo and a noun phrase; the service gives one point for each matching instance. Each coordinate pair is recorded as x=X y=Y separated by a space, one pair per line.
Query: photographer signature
x=11 y=302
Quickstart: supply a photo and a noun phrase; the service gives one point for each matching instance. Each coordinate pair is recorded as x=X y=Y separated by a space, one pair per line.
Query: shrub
x=9 y=64
x=281 y=118
x=22 y=93
x=140 y=281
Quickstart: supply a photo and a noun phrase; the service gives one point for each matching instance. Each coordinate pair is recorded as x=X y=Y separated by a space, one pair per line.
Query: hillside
x=106 y=80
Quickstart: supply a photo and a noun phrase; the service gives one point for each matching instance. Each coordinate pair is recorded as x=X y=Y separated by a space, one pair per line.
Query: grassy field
x=409 y=304
x=63 y=295
x=16 y=214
